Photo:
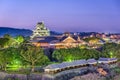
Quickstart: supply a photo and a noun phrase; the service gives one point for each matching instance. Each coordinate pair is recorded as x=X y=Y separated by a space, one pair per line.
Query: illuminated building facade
x=58 y=42
x=40 y=30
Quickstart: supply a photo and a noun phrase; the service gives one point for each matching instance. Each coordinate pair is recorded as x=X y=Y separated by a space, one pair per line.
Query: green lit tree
x=75 y=54
x=16 y=61
x=19 y=39
x=5 y=58
x=110 y=50
x=7 y=41
x=4 y=42
x=10 y=57
x=33 y=55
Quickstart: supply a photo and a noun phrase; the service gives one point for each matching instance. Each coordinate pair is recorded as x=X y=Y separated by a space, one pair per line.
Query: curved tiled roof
x=66 y=64
x=77 y=63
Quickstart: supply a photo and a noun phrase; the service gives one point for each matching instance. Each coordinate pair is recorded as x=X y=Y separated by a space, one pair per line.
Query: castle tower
x=40 y=30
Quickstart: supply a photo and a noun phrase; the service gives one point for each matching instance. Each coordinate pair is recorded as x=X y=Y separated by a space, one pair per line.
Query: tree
x=7 y=36
x=110 y=50
x=33 y=55
x=117 y=55
x=91 y=53
x=5 y=58
x=16 y=61
x=4 y=42
x=19 y=39
x=75 y=54
x=7 y=41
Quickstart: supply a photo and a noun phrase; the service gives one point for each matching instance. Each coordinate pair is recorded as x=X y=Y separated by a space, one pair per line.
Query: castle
x=41 y=37
x=40 y=30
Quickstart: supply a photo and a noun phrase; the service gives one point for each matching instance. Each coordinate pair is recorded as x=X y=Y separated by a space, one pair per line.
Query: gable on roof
x=69 y=39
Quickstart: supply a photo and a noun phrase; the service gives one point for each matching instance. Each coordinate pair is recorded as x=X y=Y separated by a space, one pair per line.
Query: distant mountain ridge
x=24 y=32
x=15 y=31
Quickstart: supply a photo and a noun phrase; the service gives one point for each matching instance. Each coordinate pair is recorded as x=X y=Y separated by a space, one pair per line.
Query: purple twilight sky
x=62 y=15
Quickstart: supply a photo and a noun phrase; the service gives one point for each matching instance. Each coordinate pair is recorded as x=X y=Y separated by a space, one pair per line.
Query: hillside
x=15 y=31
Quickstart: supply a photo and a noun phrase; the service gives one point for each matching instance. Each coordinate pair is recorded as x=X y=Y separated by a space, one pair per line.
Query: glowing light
x=111 y=55
x=70 y=58
x=15 y=65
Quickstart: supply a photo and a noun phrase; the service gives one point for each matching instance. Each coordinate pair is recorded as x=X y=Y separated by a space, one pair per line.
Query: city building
x=58 y=42
x=69 y=42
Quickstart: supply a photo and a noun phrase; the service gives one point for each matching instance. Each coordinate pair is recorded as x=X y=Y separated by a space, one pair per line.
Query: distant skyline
x=62 y=15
